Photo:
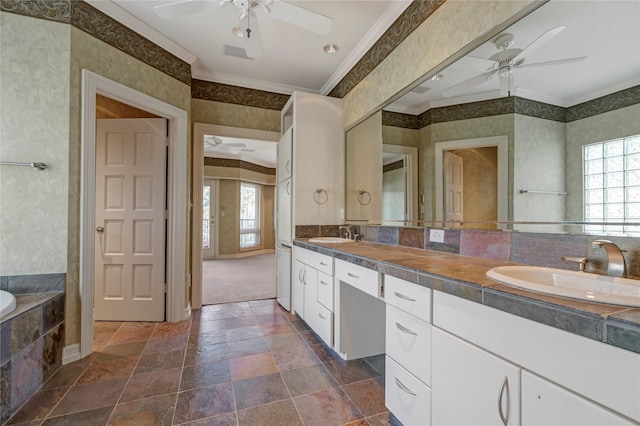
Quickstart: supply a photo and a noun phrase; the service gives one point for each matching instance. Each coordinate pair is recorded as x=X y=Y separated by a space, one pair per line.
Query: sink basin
x=331 y=240
x=572 y=284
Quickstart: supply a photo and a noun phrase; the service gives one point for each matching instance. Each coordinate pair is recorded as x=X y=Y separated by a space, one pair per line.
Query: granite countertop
x=465 y=277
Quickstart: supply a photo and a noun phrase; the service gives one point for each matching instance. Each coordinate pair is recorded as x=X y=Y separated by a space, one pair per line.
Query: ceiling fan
x=214 y=143
x=249 y=28
x=508 y=59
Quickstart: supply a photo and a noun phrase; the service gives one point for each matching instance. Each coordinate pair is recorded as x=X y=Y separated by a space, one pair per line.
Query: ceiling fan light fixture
x=330 y=48
x=237 y=31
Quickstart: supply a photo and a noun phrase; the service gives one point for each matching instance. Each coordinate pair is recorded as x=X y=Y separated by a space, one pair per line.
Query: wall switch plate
x=436 y=235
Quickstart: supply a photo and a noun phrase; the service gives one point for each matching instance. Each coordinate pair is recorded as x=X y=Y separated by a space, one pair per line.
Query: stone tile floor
x=247 y=363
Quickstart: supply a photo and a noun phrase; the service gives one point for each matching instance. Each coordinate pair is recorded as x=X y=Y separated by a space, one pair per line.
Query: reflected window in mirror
x=612 y=185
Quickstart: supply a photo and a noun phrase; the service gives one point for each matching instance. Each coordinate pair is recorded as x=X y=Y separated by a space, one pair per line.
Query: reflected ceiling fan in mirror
x=249 y=28
x=214 y=143
x=506 y=61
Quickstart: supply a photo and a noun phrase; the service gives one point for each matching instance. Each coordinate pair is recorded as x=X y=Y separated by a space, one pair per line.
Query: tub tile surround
x=465 y=276
x=31 y=337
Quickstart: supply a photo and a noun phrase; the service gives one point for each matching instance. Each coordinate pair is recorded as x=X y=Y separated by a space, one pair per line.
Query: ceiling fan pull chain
x=248 y=23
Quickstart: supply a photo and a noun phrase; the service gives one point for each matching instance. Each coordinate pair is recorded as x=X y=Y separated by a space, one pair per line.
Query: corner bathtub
x=7 y=303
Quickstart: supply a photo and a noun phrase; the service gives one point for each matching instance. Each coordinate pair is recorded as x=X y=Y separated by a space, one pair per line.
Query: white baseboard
x=70 y=353
x=243 y=254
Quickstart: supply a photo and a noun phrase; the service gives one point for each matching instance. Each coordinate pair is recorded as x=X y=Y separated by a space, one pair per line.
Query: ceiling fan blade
x=251 y=34
x=301 y=17
x=556 y=62
x=468 y=84
x=545 y=37
x=183 y=8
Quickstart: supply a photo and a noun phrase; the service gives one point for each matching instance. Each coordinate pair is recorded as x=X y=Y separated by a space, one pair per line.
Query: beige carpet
x=239 y=280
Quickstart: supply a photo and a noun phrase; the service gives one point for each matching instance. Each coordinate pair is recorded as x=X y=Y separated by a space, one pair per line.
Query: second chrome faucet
x=616 y=265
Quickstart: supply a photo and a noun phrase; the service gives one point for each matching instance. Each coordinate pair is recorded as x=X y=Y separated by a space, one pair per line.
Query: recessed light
x=237 y=31
x=330 y=48
x=437 y=77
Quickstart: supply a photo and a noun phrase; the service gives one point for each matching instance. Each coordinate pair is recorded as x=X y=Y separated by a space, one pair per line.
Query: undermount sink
x=331 y=240
x=572 y=284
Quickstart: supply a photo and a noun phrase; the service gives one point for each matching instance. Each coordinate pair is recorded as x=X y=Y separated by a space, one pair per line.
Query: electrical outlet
x=436 y=235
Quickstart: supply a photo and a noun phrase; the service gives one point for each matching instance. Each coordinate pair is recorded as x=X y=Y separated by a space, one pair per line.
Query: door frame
x=502 y=142
x=197 y=166
x=215 y=193
x=411 y=170
x=177 y=307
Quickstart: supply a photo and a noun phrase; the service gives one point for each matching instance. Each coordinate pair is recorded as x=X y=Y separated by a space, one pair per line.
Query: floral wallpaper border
x=513 y=105
x=90 y=20
x=210 y=91
x=414 y=15
x=239 y=164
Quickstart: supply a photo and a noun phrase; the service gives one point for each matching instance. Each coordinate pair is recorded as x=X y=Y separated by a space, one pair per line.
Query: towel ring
x=319 y=198
x=362 y=194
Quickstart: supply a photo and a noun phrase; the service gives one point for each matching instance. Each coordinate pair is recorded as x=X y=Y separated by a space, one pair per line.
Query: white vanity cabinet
x=408 y=351
x=472 y=386
x=481 y=354
x=313 y=291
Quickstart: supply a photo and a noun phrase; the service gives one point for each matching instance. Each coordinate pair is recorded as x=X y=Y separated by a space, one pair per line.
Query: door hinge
x=166 y=214
x=166 y=288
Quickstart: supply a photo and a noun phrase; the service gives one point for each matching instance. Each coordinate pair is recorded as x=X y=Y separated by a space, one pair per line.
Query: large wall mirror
x=505 y=135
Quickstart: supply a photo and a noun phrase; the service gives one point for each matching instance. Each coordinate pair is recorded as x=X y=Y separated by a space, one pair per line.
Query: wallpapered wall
x=451 y=27
x=34 y=126
x=47 y=58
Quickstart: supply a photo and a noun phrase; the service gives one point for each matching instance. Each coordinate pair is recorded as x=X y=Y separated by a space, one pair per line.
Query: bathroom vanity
x=463 y=349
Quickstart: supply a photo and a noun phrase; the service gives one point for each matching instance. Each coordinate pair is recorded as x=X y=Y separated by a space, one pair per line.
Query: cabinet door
x=284 y=211
x=297 y=288
x=310 y=279
x=285 y=150
x=471 y=386
x=545 y=403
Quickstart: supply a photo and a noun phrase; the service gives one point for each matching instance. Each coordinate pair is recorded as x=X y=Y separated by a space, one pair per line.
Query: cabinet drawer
x=412 y=298
x=321 y=262
x=322 y=323
x=363 y=279
x=408 y=342
x=325 y=290
x=405 y=396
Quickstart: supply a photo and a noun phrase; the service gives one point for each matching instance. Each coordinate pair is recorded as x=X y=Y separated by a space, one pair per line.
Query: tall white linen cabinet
x=310 y=171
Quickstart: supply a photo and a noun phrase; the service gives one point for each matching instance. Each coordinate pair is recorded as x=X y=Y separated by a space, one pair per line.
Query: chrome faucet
x=347 y=231
x=616 y=266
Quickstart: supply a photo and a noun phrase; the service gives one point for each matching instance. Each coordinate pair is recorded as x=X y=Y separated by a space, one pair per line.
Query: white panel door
x=453 y=186
x=129 y=217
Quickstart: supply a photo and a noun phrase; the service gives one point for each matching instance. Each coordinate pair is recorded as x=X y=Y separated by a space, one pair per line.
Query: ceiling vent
x=420 y=89
x=237 y=52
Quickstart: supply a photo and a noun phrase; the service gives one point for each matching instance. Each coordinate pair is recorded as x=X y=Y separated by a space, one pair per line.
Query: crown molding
x=114 y=11
x=394 y=10
x=249 y=83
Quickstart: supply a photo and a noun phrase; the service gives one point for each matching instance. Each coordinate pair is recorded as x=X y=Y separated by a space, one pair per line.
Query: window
x=612 y=186
x=249 y=215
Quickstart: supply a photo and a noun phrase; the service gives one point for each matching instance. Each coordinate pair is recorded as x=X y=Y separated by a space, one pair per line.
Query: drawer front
x=360 y=277
x=322 y=323
x=408 y=342
x=405 y=396
x=412 y=298
x=321 y=262
x=325 y=290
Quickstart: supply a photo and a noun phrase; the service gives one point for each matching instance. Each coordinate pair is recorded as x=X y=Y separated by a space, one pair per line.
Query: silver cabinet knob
x=100 y=229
